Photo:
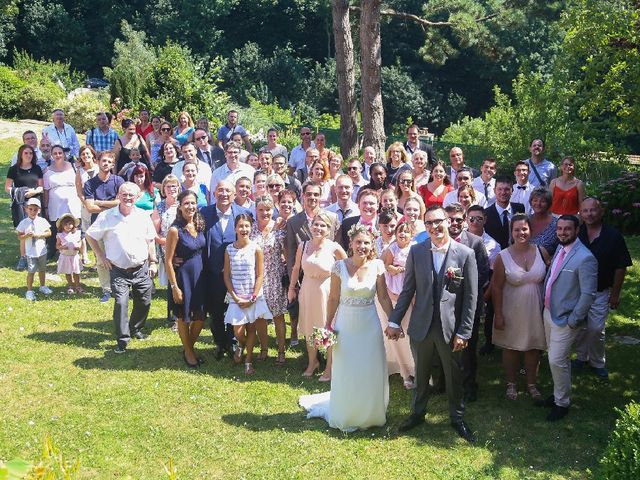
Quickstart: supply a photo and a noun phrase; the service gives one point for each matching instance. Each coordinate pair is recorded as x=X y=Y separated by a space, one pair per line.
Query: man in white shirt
x=60 y=133
x=190 y=154
x=485 y=183
x=30 y=138
x=127 y=234
x=354 y=170
x=464 y=176
x=233 y=169
x=522 y=188
x=368 y=157
x=298 y=153
x=345 y=207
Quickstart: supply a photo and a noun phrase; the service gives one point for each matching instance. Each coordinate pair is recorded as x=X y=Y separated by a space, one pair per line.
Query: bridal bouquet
x=323 y=338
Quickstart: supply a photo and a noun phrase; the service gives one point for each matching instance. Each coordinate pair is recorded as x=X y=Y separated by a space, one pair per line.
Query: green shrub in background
x=620 y=196
x=38 y=99
x=621 y=460
x=81 y=108
x=10 y=87
x=41 y=71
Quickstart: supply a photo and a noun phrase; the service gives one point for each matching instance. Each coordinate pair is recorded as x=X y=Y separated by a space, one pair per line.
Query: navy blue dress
x=189 y=275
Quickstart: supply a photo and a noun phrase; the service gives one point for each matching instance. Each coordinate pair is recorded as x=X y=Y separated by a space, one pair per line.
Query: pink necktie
x=552 y=278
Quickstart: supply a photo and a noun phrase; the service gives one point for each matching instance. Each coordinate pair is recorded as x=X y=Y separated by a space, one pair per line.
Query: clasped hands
x=394 y=333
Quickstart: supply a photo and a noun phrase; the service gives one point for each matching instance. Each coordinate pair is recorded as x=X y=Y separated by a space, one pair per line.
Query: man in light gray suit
x=443 y=276
x=570 y=289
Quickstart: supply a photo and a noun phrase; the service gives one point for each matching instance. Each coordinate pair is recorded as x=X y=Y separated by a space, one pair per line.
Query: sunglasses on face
x=476 y=219
x=274 y=185
x=456 y=220
x=305 y=133
x=406 y=182
x=165 y=129
x=204 y=137
x=354 y=168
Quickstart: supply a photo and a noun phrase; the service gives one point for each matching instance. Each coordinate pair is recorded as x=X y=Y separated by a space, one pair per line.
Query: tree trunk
x=345 y=78
x=371 y=63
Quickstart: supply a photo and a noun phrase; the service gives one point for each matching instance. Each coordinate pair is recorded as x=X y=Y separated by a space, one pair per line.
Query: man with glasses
x=414 y=143
x=475 y=223
x=344 y=207
x=30 y=138
x=298 y=153
x=212 y=155
x=233 y=169
x=63 y=134
x=522 y=188
x=441 y=275
x=464 y=176
x=123 y=241
x=102 y=137
x=290 y=182
x=354 y=170
x=457 y=225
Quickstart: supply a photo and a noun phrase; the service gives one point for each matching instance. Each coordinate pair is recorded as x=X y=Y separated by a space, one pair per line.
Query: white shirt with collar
x=125 y=238
x=351 y=210
x=452 y=197
x=521 y=195
x=478 y=184
x=492 y=247
x=297 y=156
x=204 y=172
x=224 y=217
x=66 y=137
x=223 y=172
x=509 y=211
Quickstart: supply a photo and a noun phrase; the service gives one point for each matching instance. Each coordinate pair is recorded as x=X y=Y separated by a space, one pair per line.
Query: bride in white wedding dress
x=359 y=383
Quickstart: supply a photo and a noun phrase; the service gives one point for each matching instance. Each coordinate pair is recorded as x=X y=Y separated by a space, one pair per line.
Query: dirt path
x=15 y=129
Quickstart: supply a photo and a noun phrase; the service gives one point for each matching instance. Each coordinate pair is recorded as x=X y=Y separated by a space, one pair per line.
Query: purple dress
x=189 y=275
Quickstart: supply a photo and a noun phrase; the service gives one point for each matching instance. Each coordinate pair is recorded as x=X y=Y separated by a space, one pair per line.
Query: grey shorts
x=37 y=264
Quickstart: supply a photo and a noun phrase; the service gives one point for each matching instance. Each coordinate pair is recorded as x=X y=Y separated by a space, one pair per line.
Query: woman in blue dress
x=182 y=133
x=185 y=240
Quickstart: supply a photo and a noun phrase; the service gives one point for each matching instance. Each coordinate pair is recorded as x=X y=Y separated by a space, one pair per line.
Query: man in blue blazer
x=570 y=289
x=219 y=219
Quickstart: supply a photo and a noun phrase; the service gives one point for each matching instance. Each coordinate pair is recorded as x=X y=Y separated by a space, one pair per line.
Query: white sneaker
x=30 y=295
x=46 y=290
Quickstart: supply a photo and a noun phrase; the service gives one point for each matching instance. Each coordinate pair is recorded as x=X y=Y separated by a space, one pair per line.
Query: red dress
x=144 y=132
x=431 y=199
x=564 y=202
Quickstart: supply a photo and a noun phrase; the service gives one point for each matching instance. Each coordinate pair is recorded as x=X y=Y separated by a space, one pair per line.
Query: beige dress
x=522 y=306
x=314 y=291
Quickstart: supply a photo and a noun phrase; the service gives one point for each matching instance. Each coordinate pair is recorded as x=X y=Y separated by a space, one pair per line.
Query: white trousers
x=559 y=342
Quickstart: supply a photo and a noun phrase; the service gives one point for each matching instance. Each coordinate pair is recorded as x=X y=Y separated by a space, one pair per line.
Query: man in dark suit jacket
x=368 y=206
x=220 y=232
x=442 y=275
x=457 y=218
x=496 y=225
x=414 y=143
x=212 y=155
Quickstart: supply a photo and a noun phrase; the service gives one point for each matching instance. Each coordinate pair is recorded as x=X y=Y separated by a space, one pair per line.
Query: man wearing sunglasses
x=354 y=169
x=464 y=176
x=212 y=155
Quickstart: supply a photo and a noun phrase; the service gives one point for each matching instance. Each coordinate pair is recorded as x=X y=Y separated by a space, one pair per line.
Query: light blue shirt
x=546 y=171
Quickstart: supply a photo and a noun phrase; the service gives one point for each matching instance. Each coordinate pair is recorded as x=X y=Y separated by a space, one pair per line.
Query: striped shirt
x=242 y=263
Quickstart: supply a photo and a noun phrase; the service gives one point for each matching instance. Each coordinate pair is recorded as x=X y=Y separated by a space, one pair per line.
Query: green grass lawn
x=125 y=416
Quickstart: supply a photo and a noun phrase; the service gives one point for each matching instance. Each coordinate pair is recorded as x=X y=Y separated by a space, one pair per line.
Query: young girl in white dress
x=243 y=276
x=68 y=243
x=399 y=356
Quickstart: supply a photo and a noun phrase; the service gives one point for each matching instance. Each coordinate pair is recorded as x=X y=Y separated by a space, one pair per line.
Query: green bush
x=80 y=109
x=10 y=87
x=38 y=99
x=34 y=70
x=622 y=458
x=621 y=198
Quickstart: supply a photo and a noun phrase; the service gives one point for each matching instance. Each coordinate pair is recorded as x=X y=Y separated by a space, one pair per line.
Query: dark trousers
x=470 y=355
x=51 y=241
x=488 y=324
x=424 y=352
x=138 y=285
x=216 y=308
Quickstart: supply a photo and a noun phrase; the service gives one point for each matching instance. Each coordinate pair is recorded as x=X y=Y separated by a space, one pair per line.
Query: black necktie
x=486 y=190
x=505 y=226
x=521 y=187
x=207 y=157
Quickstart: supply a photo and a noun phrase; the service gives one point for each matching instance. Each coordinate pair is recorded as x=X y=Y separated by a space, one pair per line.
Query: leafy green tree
x=8 y=13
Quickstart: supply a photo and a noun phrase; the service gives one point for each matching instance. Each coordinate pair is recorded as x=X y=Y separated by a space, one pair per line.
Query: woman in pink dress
x=316 y=259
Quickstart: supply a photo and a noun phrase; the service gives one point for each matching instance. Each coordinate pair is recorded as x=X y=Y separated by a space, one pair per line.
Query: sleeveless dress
x=430 y=199
x=242 y=262
x=69 y=259
x=274 y=269
x=183 y=138
x=123 y=156
x=359 y=386
x=314 y=291
x=522 y=306
x=189 y=275
x=565 y=201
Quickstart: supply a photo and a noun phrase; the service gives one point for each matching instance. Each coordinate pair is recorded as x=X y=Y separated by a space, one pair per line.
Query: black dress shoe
x=140 y=336
x=464 y=431
x=557 y=413
x=219 y=353
x=486 y=349
x=412 y=421
x=192 y=366
x=548 y=402
x=229 y=351
x=471 y=396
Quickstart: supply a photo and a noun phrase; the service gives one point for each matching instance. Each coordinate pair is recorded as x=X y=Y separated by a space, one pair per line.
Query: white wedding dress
x=359 y=382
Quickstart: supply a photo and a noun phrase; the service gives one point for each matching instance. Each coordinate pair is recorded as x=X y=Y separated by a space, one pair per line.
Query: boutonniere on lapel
x=454 y=273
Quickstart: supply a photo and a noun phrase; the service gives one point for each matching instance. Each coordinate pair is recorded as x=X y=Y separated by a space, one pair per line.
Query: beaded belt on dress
x=356 y=301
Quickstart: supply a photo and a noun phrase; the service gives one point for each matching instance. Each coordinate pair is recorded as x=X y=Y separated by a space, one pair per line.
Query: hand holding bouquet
x=323 y=338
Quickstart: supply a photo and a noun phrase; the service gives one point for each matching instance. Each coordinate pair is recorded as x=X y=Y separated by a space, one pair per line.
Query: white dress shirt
x=224 y=217
x=223 y=172
x=479 y=184
x=452 y=197
x=521 y=195
x=351 y=210
x=203 y=176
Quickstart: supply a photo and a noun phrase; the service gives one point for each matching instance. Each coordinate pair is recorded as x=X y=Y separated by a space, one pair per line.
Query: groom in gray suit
x=570 y=289
x=443 y=276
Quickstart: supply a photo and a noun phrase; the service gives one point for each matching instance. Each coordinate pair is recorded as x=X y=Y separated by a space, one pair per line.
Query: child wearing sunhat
x=34 y=230
x=69 y=243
